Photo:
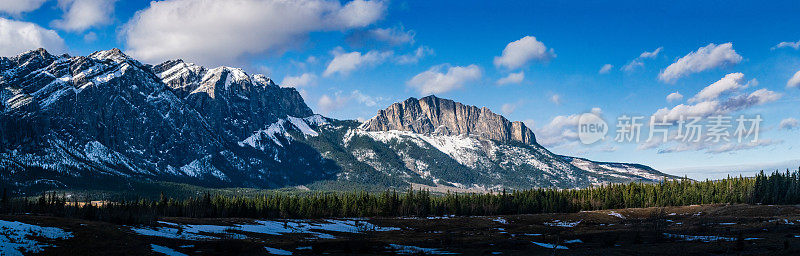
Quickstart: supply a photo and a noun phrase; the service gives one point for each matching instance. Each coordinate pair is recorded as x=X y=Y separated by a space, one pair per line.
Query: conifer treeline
x=777 y=188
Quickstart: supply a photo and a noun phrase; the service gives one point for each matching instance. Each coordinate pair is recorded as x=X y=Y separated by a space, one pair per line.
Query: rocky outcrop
x=433 y=115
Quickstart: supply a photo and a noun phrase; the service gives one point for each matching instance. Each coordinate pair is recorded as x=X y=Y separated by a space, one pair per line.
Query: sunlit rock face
x=433 y=115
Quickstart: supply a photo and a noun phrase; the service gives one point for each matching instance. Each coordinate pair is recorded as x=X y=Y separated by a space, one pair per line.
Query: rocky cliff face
x=433 y=115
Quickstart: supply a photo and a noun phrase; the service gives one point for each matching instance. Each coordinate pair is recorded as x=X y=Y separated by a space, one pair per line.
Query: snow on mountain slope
x=619 y=170
x=233 y=102
x=477 y=161
x=105 y=118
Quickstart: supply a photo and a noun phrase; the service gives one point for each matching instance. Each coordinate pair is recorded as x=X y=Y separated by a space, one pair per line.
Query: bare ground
x=688 y=230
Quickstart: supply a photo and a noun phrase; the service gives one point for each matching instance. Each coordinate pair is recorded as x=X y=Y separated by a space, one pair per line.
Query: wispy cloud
x=346 y=62
x=705 y=58
x=638 y=62
x=339 y=100
x=789 y=123
x=605 y=69
x=512 y=78
x=304 y=80
x=556 y=99
x=793 y=45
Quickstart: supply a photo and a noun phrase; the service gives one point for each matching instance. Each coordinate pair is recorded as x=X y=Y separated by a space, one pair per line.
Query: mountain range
x=106 y=119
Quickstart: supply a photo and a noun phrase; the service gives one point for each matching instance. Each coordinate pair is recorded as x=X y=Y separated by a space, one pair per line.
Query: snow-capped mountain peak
x=115 y=55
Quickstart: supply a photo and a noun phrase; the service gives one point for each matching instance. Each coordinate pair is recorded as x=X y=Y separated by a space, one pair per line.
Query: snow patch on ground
x=616 y=214
x=414 y=250
x=563 y=224
x=500 y=220
x=165 y=250
x=315 y=229
x=276 y=251
x=17 y=237
x=551 y=246
x=704 y=239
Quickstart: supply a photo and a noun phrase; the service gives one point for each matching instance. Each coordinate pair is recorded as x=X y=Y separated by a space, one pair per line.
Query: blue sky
x=351 y=58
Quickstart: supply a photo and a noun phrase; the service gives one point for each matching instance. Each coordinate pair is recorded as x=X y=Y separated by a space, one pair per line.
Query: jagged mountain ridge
x=232 y=101
x=446 y=117
x=73 y=121
x=67 y=120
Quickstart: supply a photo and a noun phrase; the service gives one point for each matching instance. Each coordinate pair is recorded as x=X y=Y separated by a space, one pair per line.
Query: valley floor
x=687 y=230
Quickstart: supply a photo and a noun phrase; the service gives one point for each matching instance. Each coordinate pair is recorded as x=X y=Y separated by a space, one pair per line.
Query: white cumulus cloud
x=561 y=129
x=731 y=82
x=344 y=63
x=513 y=78
x=304 y=80
x=706 y=57
x=709 y=101
x=794 y=82
x=220 y=32
x=520 y=52
x=16 y=7
x=80 y=15
x=675 y=96
x=444 y=78
x=19 y=36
